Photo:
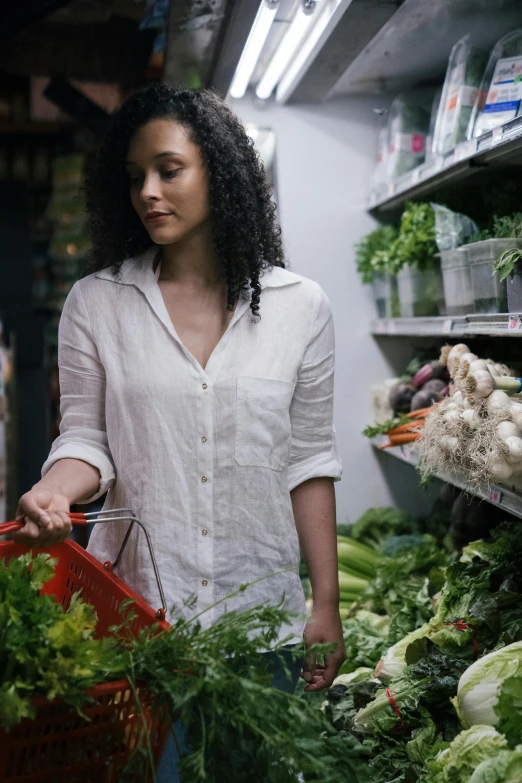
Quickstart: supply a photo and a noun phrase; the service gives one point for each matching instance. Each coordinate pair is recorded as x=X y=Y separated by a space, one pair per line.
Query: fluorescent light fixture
x=287 y=48
x=287 y=83
x=255 y=42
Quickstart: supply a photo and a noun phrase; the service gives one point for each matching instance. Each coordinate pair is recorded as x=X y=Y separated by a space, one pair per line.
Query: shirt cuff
x=322 y=465
x=87 y=454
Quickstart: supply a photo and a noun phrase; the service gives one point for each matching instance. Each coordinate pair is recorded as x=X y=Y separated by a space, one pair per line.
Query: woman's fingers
x=33 y=534
x=29 y=507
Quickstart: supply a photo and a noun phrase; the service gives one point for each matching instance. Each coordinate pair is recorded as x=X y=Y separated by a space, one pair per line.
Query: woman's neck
x=191 y=261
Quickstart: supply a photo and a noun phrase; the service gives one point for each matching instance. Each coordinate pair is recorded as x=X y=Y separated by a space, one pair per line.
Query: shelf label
x=391 y=327
x=495 y=496
x=447 y=326
x=514 y=323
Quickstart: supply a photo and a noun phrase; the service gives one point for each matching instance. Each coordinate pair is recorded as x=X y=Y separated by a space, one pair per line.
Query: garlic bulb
x=506 y=429
x=514 y=445
x=498 y=401
x=480 y=383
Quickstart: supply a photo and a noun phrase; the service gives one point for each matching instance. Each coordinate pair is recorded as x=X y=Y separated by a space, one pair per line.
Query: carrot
x=422 y=413
x=401 y=440
x=410 y=427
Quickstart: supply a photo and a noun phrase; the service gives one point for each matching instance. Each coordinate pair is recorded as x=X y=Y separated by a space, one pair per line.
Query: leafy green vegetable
x=416 y=246
x=509 y=710
x=376 y=524
x=43 y=649
x=505 y=767
x=402 y=589
x=480 y=684
x=365 y=640
x=238 y=727
x=371 y=252
x=457 y=763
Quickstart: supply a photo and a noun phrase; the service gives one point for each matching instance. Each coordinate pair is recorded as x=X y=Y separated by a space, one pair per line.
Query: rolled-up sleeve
x=314 y=450
x=83 y=434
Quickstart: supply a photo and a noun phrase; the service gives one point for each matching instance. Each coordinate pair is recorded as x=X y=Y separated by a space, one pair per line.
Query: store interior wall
x=324 y=159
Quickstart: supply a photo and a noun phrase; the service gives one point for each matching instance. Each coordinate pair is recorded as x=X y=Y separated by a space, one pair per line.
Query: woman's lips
x=157 y=218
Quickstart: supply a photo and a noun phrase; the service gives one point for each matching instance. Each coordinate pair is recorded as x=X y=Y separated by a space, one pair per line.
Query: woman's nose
x=150 y=190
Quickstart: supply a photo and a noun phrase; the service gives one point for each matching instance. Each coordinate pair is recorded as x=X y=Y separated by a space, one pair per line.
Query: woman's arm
x=313 y=504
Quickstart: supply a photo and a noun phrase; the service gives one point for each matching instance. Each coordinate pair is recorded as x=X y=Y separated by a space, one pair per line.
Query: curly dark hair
x=246 y=233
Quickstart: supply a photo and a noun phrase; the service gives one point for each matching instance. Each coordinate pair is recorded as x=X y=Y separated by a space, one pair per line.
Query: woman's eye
x=171 y=174
x=134 y=180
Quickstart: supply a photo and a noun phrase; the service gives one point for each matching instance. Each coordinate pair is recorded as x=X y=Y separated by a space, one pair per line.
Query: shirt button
x=204 y=583
x=203 y=439
x=204 y=532
x=203 y=385
x=203 y=479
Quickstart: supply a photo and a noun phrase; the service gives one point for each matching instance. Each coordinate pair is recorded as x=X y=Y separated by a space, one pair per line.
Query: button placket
x=205 y=545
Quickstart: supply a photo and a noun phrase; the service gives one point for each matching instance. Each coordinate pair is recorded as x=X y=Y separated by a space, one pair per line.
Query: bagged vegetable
x=463 y=76
x=407 y=131
x=500 y=96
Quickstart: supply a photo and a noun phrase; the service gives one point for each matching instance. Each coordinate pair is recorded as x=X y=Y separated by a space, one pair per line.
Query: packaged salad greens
x=408 y=128
x=430 y=138
x=463 y=77
x=500 y=97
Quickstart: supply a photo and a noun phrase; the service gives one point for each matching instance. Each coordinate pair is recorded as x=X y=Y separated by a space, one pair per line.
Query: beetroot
x=424 y=399
x=401 y=396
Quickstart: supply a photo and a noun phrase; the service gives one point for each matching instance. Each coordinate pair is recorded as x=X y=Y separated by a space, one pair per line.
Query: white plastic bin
x=456 y=278
x=421 y=293
x=489 y=294
x=386 y=295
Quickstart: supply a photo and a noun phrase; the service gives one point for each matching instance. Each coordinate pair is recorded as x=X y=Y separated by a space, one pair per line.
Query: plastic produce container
x=489 y=294
x=514 y=290
x=386 y=295
x=499 y=99
x=421 y=293
x=456 y=278
x=408 y=128
x=463 y=76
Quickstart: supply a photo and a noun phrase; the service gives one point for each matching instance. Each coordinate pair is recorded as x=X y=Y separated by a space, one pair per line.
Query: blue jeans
x=168 y=769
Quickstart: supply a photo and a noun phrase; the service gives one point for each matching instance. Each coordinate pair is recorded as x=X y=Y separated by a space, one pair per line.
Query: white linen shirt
x=206 y=458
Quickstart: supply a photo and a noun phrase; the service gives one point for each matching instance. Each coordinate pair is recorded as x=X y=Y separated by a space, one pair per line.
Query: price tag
x=447 y=326
x=391 y=327
x=514 y=323
x=495 y=496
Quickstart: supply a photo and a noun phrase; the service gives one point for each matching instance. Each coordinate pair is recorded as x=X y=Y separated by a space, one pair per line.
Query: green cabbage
x=468 y=750
x=505 y=767
x=479 y=686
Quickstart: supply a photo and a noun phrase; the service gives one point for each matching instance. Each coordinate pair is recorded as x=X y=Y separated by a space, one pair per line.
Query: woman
x=196 y=377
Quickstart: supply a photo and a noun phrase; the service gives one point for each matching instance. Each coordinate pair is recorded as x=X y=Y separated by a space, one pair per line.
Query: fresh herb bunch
x=415 y=245
x=215 y=679
x=372 y=252
x=237 y=726
x=44 y=650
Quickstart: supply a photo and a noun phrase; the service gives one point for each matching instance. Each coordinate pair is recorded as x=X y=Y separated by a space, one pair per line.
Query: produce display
x=443 y=703
x=477 y=430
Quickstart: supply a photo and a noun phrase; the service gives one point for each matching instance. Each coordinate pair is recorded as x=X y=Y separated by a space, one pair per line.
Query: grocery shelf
x=499 y=147
x=495 y=494
x=497 y=325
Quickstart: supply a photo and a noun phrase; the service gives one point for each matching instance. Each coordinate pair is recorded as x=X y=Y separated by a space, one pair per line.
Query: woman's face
x=168 y=181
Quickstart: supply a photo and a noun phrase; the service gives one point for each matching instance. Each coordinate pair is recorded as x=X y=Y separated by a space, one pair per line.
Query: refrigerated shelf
x=497 y=325
x=495 y=494
x=499 y=147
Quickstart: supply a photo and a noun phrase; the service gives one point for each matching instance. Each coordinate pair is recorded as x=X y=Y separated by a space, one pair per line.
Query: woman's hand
x=324 y=627
x=45 y=514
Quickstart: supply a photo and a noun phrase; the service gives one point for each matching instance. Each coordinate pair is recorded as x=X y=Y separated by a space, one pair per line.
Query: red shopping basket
x=59 y=746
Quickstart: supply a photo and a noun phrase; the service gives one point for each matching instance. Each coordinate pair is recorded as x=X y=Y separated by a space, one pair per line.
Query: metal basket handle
x=118 y=515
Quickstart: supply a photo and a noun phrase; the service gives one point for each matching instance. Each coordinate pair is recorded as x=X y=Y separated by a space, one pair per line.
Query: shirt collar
x=139 y=271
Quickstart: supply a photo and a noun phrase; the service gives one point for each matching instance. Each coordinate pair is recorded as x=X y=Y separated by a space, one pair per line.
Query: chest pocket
x=263 y=430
